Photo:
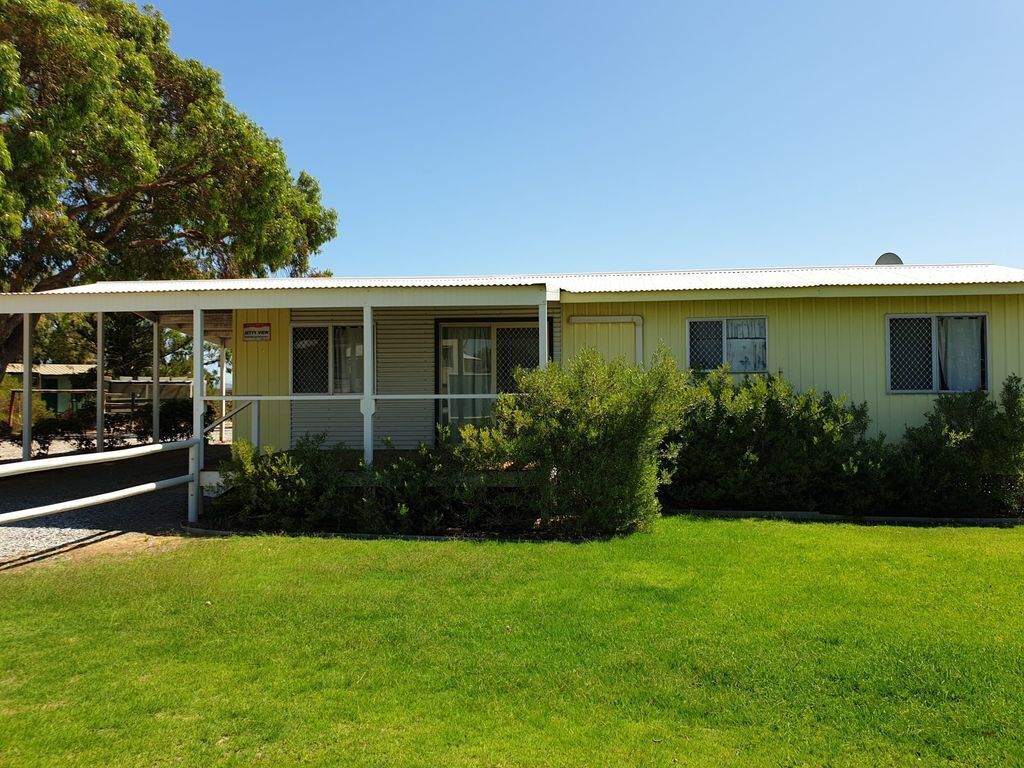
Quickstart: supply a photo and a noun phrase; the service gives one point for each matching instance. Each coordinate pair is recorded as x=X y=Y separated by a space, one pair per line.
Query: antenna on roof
x=887 y=259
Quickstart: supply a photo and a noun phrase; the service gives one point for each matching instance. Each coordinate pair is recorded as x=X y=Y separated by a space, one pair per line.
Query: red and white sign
x=255 y=331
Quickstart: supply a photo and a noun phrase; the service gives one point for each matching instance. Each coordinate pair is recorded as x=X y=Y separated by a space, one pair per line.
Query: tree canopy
x=121 y=160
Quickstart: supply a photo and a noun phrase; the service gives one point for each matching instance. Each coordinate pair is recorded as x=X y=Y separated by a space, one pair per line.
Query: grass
x=702 y=643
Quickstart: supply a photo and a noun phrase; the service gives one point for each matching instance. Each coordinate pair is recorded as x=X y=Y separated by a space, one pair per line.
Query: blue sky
x=483 y=137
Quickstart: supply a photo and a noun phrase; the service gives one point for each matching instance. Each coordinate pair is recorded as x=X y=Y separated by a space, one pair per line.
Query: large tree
x=120 y=160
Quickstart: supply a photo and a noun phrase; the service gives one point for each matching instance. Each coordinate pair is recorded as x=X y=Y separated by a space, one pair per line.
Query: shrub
x=587 y=439
x=760 y=444
x=292 y=490
x=577 y=453
x=966 y=459
x=40 y=411
x=311 y=488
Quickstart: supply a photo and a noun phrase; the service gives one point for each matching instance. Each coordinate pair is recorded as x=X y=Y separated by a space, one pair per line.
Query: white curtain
x=746 y=347
x=961 y=353
x=467 y=363
x=348 y=359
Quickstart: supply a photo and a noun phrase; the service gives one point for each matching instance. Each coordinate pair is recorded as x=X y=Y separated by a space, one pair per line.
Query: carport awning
x=217 y=323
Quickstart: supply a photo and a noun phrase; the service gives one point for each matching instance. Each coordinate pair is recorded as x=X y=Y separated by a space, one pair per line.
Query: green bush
x=313 y=488
x=583 y=450
x=966 y=459
x=586 y=439
x=298 y=490
x=760 y=444
x=577 y=453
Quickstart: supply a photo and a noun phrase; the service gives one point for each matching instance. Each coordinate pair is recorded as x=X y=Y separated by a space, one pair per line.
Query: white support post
x=100 y=394
x=542 y=333
x=157 y=349
x=195 y=453
x=26 y=387
x=223 y=385
x=367 y=405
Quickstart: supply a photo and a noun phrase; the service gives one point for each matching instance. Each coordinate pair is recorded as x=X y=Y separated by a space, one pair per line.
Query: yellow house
x=382 y=361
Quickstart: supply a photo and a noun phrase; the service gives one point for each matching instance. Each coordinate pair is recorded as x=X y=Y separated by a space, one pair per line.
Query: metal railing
x=63 y=462
x=193 y=444
x=255 y=400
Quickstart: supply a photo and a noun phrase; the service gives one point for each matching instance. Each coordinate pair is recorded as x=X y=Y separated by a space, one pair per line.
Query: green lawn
x=702 y=643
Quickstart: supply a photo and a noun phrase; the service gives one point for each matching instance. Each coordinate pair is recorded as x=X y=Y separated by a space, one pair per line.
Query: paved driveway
x=158 y=513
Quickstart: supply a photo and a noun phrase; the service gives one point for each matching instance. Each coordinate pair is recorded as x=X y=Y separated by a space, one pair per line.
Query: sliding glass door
x=480 y=359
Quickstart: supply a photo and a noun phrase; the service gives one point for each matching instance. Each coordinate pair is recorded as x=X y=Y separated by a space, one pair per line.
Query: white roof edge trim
x=594 y=282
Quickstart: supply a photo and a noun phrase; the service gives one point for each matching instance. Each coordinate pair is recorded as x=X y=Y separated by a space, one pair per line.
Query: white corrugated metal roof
x=608 y=282
x=788 y=277
x=300 y=283
x=54 y=369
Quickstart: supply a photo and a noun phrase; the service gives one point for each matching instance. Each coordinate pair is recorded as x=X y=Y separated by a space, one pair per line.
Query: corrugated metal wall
x=834 y=344
x=261 y=368
x=406 y=352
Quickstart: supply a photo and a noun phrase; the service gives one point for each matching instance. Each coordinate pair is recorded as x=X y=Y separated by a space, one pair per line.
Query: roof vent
x=887 y=259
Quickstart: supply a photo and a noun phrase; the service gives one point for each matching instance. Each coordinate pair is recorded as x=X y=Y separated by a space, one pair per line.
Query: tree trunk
x=10 y=340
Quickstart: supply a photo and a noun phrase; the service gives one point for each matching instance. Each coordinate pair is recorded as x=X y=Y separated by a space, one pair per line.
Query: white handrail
x=482 y=396
x=375 y=396
x=257 y=398
x=60 y=462
x=227 y=416
x=88 y=501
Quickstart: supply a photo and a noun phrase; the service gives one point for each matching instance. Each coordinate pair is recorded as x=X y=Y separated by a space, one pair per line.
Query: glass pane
x=516 y=348
x=961 y=353
x=348 y=359
x=705 y=344
x=746 y=328
x=747 y=355
x=466 y=366
x=746 y=345
x=309 y=360
x=910 y=354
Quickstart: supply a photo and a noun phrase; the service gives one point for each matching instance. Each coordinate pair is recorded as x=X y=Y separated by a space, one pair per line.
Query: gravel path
x=158 y=513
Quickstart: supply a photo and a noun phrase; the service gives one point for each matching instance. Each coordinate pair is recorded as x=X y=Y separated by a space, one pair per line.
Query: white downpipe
x=88 y=501
x=638 y=324
x=367 y=404
x=195 y=452
x=542 y=333
x=26 y=387
x=100 y=364
x=156 y=381
x=223 y=383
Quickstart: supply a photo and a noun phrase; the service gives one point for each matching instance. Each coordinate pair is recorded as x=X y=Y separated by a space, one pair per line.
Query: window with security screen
x=937 y=353
x=327 y=360
x=742 y=342
x=310 y=361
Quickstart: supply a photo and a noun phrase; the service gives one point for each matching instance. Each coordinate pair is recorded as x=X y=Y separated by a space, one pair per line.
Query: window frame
x=330 y=360
x=723 y=320
x=934 y=317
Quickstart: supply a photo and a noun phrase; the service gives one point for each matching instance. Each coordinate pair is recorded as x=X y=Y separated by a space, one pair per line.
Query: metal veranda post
x=223 y=384
x=195 y=452
x=100 y=399
x=156 y=380
x=26 y=387
x=367 y=403
x=542 y=333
